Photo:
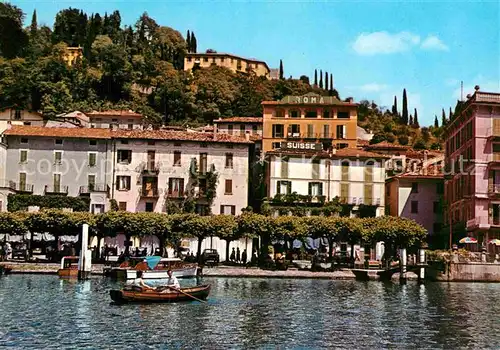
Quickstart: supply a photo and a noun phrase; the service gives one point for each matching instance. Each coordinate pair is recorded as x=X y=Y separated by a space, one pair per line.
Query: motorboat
x=153 y=267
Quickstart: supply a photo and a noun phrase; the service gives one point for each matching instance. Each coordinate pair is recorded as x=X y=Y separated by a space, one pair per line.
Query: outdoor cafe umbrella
x=495 y=241
x=468 y=240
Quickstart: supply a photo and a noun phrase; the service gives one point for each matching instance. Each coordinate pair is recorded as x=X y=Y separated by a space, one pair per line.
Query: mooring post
x=402 y=265
x=85 y=262
x=421 y=261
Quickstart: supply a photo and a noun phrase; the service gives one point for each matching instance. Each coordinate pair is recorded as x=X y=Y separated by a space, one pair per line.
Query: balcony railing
x=175 y=194
x=360 y=201
x=23 y=188
x=60 y=190
x=149 y=193
x=151 y=168
x=307 y=135
x=94 y=188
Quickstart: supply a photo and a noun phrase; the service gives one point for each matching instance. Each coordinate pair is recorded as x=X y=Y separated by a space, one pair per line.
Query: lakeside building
x=472 y=186
x=143 y=170
x=309 y=118
x=418 y=195
x=230 y=61
x=13 y=116
x=355 y=176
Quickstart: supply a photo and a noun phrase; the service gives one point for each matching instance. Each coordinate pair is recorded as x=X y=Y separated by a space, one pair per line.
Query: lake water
x=44 y=312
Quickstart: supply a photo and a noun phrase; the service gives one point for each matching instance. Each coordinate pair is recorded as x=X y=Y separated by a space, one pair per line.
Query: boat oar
x=189 y=295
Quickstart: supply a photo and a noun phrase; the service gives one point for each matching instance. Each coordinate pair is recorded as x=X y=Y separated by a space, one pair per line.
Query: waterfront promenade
x=220 y=271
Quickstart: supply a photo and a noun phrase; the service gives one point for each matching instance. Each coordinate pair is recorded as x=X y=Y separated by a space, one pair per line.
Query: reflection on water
x=45 y=312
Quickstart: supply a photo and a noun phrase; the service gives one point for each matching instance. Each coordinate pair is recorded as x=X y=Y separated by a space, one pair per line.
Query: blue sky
x=373 y=49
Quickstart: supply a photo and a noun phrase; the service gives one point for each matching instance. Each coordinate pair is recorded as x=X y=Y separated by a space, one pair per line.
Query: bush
x=21 y=202
x=403 y=140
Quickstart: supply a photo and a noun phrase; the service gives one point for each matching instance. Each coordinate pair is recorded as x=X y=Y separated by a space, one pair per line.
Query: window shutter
x=278 y=187
x=310 y=188
x=320 y=189
x=222 y=209
x=117 y=182
x=289 y=187
x=181 y=189
x=233 y=210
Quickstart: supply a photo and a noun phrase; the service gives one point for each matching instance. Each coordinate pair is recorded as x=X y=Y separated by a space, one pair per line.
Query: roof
x=384 y=145
x=177 y=136
x=310 y=99
x=117 y=114
x=432 y=171
x=362 y=143
x=239 y=120
x=340 y=153
x=414 y=154
x=96 y=133
x=223 y=54
x=40 y=131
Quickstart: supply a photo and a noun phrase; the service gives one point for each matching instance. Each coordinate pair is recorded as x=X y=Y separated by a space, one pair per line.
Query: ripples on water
x=43 y=312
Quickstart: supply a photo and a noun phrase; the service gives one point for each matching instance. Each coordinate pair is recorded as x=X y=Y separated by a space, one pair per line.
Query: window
x=202 y=209
x=91 y=182
x=22 y=181
x=228 y=188
x=92 y=158
x=57 y=157
x=278 y=131
x=414 y=207
x=122 y=206
x=242 y=129
x=280 y=113
x=294 y=130
x=310 y=130
x=203 y=163
x=345 y=171
x=368 y=195
x=326 y=114
x=27 y=123
x=24 y=140
x=228 y=210
x=59 y=141
x=57 y=183
x=205 y=59
x=315 y=189
x=311 y=113
x=315 y=168
x=436 y=207
x=114 y=121
x=23 y=156
x=149 y=207
x=17 y=114
x=414 y=187
x=341 y=131
x=124 y=156
x=284 y=187
x=176 y=187
x=202 y=186
x=326 y=131
x=284 y=167
x=177 y=158
x=230 y=129
x=254 y=129
x=341 y=145
x=189 y=59
x=343 y=115
x=276 y=145
x=440 y=188
x=92 y=143
x=229 y=160
x=123 y=183
x=294 y=114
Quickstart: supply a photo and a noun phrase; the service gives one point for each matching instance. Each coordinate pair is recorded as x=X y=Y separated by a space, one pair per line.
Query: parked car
x=210 y=256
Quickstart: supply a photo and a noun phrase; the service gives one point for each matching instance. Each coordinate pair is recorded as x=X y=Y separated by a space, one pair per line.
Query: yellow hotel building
x=232 y=62
x=313 y=119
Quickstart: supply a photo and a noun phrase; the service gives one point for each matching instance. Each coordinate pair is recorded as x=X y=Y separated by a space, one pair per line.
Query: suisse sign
x=309 y=146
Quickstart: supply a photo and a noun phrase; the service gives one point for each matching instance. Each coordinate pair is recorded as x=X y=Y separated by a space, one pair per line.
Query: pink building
x=473 y=167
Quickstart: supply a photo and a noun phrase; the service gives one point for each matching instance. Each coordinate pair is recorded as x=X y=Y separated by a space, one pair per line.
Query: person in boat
x=171 y=285
x=139 y=282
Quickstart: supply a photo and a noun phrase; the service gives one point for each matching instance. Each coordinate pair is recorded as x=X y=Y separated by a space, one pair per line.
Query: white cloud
x=384 y=42
x=373 y=87
x=432 y=42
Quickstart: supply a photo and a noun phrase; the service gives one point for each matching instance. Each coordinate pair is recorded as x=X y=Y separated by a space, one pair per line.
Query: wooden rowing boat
x=137 y=294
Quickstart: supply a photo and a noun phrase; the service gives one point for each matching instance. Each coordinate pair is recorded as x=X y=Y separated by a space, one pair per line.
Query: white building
x=155 y=170
x=11 y=116
x=114 y=120
x=357 y=177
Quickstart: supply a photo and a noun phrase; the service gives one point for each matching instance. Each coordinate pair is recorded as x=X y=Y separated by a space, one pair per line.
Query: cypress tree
x=326 y=80
x=443 y=118
x=321 y=79
x=193 y=43
x=188 y=41
x=451 y=114
x=415 y=119
x=395 y=106
x=281 y=69
x=315 y=77
x=404 y=117
x=411 y=120
x=331 y=82
x=436 y=123
x=34 y=24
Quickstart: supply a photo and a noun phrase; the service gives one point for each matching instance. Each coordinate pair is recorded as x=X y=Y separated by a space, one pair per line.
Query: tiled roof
x=414 y=154
x=117 y=114
x=239 y=120
x=362 y=143
x=177 y=136
x=433 y=171
x=96 y=133
x=40 y=131
x=387 y=145
x=340 y=153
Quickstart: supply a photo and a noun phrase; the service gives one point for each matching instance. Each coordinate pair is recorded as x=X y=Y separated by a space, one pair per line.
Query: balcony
x=149 y=193
x=151 y=169
x=56 y=190
x=92 y=188
x=293 y=136
x=23 y=188
x=176 y=194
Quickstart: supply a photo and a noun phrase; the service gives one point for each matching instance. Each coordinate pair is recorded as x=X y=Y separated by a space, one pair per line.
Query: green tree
x=410 y=122
x=324 y=227
x=281 y=69
x=321 y=79
x=419 y=144
x=331 y=82
x=13 y=38
x=70 y=27
x=415 y=120
x=404 y=115
x=194 y=43
x=315 y=77
x=436 y=123
x=188 y=41
x=34 y=24
x=443 y=118
x=395 y=106
x=326 y=80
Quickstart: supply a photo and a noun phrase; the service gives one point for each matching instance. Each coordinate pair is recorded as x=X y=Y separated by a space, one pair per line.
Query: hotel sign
x=303 y=146
x=309 y=99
